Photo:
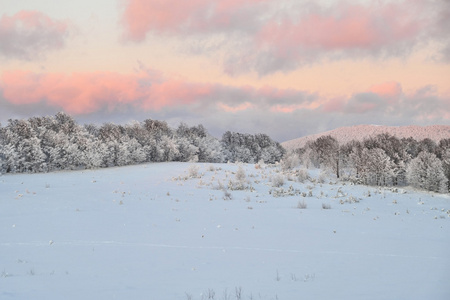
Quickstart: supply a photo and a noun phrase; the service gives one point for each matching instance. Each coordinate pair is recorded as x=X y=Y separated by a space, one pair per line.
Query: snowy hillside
x=222 y=231
x=360 y=132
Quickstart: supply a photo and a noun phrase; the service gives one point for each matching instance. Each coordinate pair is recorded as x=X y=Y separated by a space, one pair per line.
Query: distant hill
x=360 y=132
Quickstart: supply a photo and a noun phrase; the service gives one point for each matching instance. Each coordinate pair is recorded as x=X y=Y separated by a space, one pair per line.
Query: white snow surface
x=152 y=232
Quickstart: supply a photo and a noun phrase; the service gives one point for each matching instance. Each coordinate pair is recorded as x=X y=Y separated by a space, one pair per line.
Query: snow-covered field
x=161 y=231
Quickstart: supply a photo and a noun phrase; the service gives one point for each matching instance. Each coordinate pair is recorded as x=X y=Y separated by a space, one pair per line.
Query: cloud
x=141 y=17
x=28 y=35
x=265 y=36
x=282 y=113
x=148 y=90
x=389 y=100
x=390 y=89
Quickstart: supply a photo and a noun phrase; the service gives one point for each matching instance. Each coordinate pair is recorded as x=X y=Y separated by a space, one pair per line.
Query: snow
x=360 y=132
x=152 y=232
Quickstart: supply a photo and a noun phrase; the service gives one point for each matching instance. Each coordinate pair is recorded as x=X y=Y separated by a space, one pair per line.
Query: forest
x=44 y=144
x=382 y=160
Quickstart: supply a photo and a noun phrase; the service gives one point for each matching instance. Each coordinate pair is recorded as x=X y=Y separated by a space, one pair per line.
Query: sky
x=287 y=68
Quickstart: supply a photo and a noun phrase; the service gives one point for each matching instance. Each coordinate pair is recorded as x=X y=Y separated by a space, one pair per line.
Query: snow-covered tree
x=446 y=166
x=325 y=153
x=251 y=148
x=426 y=172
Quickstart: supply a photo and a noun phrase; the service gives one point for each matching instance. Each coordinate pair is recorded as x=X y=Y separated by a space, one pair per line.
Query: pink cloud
x=146 y=90
x=391 y=91
x=174 y=17
x=234 y=109
x=335 y=104
x=346 y=26
x=149 y=91
x=76 y=93
x=29 y=34
x=284 y=35
x=176 y=92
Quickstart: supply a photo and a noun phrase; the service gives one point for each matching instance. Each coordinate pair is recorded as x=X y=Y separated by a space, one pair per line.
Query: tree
x=326 y=152
x=250 y=148
x=446 y=166
x=426 y=172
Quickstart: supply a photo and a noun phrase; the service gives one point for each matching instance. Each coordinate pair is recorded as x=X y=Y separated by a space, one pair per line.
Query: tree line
x=43 y=144
x=383 y=160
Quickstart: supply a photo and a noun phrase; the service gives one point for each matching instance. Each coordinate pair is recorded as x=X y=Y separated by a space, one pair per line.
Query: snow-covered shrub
x=302 y=175
x=281 y=192
x=227 y=195
x=277 y=180
x=290 y=161
x=260 y=165
x=326 y=206
x=302 y=204
x=426 y=172
x=234 y=185
x=240 y=174
x=219 y=186
x=322 y=177
x=240 y=182
x=193 y=171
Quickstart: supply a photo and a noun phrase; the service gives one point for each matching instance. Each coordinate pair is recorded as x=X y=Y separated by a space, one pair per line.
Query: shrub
x=303 y=175
x=193 y=171
x=290 y=161
x=277 y=180
x=240 y=174
x=302 y=204
x=326 y=206
x=322 y=177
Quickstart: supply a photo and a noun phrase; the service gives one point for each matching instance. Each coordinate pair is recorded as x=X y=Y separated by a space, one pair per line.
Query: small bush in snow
x=322 y=177
x=193 y=171
x=302 y=204
x=290 y=161
x=281 y=192
x=350 y=200
x=240 y=174
x=277 y=180
x=219 y=186
x=237 y=185
x=302 y=175
x=326 y=206
x=227 y=195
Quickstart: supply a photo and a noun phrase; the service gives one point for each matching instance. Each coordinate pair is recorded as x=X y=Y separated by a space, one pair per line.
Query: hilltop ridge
x=360 y=132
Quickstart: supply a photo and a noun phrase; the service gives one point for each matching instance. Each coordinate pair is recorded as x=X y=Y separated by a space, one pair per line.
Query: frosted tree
x=426 y=172
x=9 y=158
x=210 y=150
x=372 y=166
x=94 y=154
x=251 y=148
x=380 y=167
x=446 y=166
x=168 y=148
x=136 y=151
x=326 y=153
x=427 y=145
x=31 y=158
